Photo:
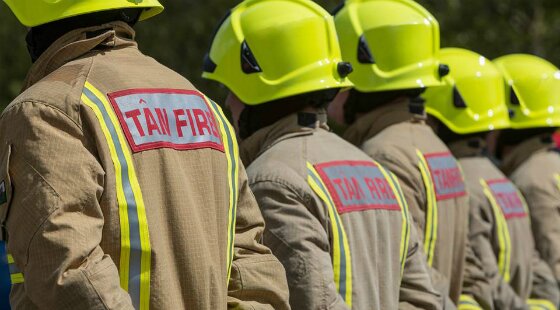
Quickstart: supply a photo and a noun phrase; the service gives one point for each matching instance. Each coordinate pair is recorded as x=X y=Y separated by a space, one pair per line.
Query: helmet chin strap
x=40 y=38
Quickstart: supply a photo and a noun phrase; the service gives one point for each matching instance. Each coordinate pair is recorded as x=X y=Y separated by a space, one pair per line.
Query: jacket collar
x=286 y=128
x=77 y=43
x=470 y=147
x=523 y=151
x=372 y=123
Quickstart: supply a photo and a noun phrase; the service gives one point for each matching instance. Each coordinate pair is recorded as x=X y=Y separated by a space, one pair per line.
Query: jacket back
x=333 y=213
x=125 y=188
x=431 y=180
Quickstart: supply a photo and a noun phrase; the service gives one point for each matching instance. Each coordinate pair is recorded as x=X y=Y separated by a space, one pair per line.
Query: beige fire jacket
x=534 y=166
x=500 y=234
x=335 y=219
x=431 y=181
x=124 y=190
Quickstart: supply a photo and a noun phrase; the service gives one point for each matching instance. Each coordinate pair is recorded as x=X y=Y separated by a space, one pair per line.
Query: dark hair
x=359 y=102
x=259 y=116
x=449 y=136
x=39 y=38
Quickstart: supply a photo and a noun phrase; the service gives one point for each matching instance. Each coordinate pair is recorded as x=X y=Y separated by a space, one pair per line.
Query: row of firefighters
x=124 y=187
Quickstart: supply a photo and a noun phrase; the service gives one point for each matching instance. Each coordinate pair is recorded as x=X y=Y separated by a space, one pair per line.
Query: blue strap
x=5 y=282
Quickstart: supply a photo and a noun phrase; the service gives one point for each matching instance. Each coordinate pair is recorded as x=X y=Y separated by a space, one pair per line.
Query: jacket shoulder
x=60 y=90
x=126 y=68
x=393 y=143
x=537 y=171
x=277 y=165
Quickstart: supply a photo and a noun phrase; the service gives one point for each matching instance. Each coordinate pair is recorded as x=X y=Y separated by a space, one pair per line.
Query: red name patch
x=446 y=175
x=166 y=118
x=507 y=197
x=357 y=185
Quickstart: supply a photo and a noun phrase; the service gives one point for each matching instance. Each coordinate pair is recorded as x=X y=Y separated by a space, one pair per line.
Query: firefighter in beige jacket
x=387 y=120
x=528 y=155
x=122 y=184
x=500 y=227
x=336 y=219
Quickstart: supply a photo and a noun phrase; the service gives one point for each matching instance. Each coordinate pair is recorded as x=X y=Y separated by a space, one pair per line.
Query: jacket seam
x=95 y=289
x=47 y=217
x=45 y=104
x=86 y=76
x=285 y=184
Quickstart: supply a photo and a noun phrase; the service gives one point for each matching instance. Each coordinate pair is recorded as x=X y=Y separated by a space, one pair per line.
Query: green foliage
x=14 y=60
x=180 y=37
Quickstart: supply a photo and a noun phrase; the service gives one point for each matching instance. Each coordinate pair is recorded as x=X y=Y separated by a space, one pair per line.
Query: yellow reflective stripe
x=123 y=209
x=135 y=262
x=540 y=304
x=557 y=178
x=342 y=260
x=467 y=302
x=504 y=257
x=405 y=229
x=431 y=229
x=232 y=154
x=17 y=278
x=522 y=198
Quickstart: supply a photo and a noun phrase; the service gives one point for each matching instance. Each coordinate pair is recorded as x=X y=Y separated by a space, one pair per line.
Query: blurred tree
x=180 y=37
x=497 y=27
x=14 y=60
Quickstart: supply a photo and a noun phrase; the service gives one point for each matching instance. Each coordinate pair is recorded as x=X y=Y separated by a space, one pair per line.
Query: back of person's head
x=49 y=20
x=268 y=50
x=471 y=100
x=277 y=56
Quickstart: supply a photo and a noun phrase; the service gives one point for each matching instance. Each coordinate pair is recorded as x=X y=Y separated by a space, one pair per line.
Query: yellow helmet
x=532 y=90
x=391 y=44
x=33 y=13
x=271 y=49
x=472 y=97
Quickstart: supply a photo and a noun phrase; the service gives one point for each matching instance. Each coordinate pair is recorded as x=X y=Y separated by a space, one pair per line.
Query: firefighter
x=463 y=111
x=336 y=219
x=529 y=156
x=393 y=47
x=120 y=182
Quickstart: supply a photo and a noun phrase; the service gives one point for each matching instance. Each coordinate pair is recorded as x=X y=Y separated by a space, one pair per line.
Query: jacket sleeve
x=258 y=280
x=481 y=224
x=476 y=284
x=417 y=290
x=300 y=241
x=54 y=221
x=544 y=204
x=544 y=283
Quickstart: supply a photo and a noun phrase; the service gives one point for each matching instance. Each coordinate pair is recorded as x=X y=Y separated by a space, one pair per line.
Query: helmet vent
x=458 y=100
x=248 y=62
x=364 y=53
x=209 y=66
x=513 y=97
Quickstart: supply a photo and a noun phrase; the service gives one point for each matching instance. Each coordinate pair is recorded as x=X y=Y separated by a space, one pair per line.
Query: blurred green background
x=180 y=36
